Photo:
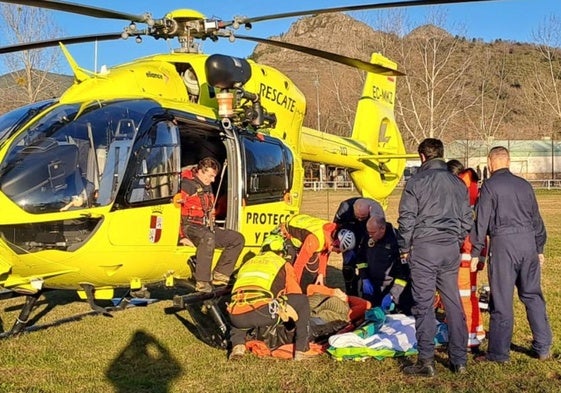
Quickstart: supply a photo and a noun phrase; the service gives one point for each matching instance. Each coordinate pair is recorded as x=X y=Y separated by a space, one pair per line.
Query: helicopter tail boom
x=375 y=154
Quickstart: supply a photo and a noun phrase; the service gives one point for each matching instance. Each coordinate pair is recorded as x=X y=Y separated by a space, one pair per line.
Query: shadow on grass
x=144 y=365
x=48 y=302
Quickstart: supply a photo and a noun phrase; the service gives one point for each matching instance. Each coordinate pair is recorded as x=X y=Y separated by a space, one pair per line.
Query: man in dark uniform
x=352 y=214
x=197 y=220
x=508 y=212
x=384 y=277
x=434 y=218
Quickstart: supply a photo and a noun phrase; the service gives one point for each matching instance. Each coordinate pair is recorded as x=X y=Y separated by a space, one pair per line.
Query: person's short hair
x=431 y=148
x=208 y=163
x=455 y=166
x=499 y=151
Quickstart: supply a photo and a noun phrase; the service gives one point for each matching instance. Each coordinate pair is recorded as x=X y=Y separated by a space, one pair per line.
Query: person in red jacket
x=197 y=224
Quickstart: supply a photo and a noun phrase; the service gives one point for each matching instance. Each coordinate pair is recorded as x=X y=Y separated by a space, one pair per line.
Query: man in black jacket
x=385 y=278
x=508 y=212
x=352 y=214
x=434 y=219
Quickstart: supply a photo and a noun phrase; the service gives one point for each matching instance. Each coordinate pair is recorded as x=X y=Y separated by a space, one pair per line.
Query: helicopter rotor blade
x=398 y=4
x=349 y=61
x=55 y=42
x=83 y=10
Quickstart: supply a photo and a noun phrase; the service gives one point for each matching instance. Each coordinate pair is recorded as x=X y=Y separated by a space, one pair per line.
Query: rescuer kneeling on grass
x=267 y=293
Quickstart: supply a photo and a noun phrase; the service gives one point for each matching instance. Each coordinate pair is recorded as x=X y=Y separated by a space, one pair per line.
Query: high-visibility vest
x=254 y=282
x=302 y=225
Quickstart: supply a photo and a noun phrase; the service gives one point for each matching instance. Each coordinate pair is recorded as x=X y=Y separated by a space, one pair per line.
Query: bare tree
x=545 y=88
x=432 y=92
x=28 y=70
x=485 y=117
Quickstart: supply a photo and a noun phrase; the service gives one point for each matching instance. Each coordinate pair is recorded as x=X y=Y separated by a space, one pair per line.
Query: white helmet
x=346 y=239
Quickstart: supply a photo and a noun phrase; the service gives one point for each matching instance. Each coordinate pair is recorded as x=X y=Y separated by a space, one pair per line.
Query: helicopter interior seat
x=116 y=160
x=87 y=164
x=191 y=81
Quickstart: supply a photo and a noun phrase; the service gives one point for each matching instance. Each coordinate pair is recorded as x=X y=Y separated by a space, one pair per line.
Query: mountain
x=455 y=87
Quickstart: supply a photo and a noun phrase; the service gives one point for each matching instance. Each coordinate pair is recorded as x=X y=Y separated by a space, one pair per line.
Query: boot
x=423 y=368
x=301 y=355
x=237 y=352
x=203 y=286
x=220 y=279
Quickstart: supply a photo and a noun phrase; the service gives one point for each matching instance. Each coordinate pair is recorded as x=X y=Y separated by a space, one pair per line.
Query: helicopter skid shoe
x=89 y=290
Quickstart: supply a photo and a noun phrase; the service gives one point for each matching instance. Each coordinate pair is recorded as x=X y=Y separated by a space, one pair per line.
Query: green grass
x=147 y=349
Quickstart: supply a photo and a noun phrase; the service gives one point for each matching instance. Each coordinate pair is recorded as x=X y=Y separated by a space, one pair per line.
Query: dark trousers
x=514 y=262
x=349 y=273
x=206 y=241
x=435 y=267
x=261 y=317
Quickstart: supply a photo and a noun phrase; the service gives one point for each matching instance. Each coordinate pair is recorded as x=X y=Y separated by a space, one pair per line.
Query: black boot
x=423 y=368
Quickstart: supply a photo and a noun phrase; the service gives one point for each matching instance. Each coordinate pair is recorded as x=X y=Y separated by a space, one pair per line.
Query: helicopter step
x=212 y=334
x=182 y=301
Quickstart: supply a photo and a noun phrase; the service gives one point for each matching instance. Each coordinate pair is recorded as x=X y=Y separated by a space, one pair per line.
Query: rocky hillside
x=455 y=88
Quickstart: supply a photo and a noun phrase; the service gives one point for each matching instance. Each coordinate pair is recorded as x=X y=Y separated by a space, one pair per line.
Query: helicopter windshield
x=59 y=161
x=11 y=121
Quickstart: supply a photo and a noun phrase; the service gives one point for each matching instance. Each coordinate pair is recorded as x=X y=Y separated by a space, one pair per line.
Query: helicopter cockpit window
x=72 y=157
x=11 y=121
x=269 y=170
x=157 y=165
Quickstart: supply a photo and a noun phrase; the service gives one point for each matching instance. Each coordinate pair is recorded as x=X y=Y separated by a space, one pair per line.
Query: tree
x=431 y=96
x=484 y=118
x=28 y=70
x=545 y=88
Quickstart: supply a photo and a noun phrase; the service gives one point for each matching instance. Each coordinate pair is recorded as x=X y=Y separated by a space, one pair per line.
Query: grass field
x=149 y=349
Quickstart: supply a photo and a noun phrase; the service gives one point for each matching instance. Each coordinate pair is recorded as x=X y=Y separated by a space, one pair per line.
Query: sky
x=500 y=19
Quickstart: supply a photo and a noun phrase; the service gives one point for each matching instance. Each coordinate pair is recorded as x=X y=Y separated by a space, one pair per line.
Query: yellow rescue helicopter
x=87 y=181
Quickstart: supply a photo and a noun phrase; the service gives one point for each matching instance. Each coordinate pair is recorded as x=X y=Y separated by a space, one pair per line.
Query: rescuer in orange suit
x=467 y=280
x=314 y=239
x=197 y=225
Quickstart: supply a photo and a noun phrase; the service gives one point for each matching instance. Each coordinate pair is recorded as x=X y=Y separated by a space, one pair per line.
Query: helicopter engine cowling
x=227 y=72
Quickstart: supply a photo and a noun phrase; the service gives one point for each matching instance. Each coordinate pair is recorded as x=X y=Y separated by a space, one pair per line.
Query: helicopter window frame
x=156 y=166
x=269 y=169
x=11 y=121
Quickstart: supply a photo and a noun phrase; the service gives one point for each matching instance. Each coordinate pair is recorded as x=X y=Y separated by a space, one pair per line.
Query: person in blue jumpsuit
x=508 y=212
x=434 y=219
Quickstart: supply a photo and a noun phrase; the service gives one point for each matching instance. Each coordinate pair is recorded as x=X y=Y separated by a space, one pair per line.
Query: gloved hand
x=388 y=305
x=367 y=287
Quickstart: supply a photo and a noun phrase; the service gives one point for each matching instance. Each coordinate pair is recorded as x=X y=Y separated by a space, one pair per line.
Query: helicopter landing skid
x=89 y=290
x=23 y=317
